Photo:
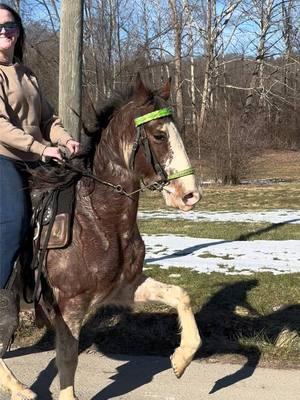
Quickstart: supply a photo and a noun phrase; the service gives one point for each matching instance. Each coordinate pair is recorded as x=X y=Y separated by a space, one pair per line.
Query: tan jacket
x=25 y=116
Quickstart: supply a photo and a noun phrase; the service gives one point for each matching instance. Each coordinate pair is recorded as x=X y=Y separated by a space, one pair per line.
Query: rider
x=26 y=122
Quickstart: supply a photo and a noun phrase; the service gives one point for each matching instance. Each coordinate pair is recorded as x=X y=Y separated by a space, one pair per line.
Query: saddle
x=52 y=214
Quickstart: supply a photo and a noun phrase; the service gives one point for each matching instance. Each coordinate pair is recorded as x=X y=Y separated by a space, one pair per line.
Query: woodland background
x=235 y=68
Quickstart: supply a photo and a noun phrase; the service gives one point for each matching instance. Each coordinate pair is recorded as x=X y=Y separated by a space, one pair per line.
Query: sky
x=244 y=40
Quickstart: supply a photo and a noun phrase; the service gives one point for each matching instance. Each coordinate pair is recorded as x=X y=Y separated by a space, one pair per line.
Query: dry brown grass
x=276 y=164
x=272 y=164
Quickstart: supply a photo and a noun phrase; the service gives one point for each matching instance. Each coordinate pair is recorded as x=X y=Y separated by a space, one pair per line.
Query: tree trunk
x=209 y=57
x=177 y=26
x=16 y=4
x=70 y=65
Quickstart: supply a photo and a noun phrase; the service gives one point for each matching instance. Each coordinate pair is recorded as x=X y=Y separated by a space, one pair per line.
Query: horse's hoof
x=179 y=362
x=67 y=394
x=24 y=394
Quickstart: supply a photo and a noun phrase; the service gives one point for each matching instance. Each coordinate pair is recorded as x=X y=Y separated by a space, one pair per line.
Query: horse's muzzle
x=191 y=198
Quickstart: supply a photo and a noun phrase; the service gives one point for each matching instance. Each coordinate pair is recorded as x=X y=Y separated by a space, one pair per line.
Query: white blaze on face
x=182 y=192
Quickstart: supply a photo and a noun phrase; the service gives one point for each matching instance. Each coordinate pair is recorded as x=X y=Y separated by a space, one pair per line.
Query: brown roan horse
x=104 y=262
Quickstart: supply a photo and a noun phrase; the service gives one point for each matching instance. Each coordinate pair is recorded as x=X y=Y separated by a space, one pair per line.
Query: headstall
x=141 y=139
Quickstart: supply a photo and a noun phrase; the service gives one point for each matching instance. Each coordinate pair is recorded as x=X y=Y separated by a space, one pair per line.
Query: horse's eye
x=160 y=136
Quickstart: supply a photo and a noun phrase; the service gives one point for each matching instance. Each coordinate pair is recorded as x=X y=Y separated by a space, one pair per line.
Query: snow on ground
x=275 y=216
x=230 y=257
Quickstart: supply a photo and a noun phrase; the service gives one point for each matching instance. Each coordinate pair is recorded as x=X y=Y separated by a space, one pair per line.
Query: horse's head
x=158 y=153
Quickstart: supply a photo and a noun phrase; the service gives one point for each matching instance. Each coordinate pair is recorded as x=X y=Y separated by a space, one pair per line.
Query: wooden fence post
x=70 y=65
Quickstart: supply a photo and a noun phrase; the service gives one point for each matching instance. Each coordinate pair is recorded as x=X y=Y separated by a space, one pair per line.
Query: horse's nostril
x=188 y=196
x=191 y=198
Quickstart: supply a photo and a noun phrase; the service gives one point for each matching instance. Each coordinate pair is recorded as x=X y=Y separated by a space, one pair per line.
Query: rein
x=141 y=139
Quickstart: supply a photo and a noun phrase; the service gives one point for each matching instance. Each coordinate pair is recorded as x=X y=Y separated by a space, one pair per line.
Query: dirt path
x=148 y=378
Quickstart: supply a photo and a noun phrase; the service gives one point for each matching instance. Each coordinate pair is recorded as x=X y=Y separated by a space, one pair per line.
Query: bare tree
x=177 y=23
x=16 y=5
x=215 y=26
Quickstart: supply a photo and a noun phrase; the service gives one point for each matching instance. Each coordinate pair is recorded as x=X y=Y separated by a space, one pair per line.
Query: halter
x=142 y=140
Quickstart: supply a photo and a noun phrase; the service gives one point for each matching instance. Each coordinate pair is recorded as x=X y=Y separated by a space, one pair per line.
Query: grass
x=267 y=294
x=237 y=198
x=276 y=164
x=221 y=230
x=247 y=313
x=272 y=164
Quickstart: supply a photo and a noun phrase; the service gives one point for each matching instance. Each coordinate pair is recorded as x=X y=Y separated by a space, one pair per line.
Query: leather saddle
x=52 y=215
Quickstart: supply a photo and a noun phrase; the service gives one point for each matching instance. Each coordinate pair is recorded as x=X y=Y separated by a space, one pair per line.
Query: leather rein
x=141 y=140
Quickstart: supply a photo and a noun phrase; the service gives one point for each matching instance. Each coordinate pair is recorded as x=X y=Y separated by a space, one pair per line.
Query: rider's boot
x=9 y=318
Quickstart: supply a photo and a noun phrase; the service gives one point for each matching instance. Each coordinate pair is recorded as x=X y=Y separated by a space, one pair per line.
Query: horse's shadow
x=113 y=332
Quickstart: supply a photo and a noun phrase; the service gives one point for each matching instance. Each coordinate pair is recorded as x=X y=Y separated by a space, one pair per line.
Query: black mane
x=52 y=175
x=105 y=111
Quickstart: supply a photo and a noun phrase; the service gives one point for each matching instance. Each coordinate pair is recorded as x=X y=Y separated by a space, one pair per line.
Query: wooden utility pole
x=70 y=65
x=16 y=5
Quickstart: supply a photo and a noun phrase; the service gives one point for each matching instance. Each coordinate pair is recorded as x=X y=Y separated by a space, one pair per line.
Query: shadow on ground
x=113 y=331
x=243 y=237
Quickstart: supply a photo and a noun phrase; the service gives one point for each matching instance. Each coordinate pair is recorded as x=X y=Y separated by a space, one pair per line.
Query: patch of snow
x=208 y=255
x=284 y=216
x=174 y=275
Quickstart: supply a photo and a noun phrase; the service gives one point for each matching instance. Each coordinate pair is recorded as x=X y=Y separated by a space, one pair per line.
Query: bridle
x=141 y=140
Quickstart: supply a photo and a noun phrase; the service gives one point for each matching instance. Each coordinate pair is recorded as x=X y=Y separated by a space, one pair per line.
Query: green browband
x=163 y=112
x=181 y=174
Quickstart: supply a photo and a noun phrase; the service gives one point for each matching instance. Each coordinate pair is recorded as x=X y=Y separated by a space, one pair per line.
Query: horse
x=136 y=141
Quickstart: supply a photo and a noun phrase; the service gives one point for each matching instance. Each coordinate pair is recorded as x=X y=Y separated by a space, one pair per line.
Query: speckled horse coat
x=103 y=264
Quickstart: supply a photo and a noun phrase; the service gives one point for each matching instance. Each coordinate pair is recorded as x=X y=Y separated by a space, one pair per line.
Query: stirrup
x=9 y=318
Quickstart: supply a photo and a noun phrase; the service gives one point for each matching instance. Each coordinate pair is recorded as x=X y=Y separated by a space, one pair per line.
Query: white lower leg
x=174 y=296
x=9 y=382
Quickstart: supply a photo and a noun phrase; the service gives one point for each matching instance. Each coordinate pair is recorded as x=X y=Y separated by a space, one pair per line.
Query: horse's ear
x=140 y=90
x=164 y=91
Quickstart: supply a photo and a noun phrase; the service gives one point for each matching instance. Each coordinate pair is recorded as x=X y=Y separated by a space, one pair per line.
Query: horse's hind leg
x=9 y=382
x=174 y=296
x=66 y=357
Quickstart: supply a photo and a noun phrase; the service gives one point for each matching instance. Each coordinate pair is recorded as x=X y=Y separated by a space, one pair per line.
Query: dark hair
x=19 y=46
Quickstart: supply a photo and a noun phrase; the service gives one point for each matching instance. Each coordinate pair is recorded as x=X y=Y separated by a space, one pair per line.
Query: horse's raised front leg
x=66 y=356
x=9 y=382
x=174 y=296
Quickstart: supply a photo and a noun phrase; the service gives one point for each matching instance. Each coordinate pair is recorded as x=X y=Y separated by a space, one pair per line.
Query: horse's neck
x=111 y=169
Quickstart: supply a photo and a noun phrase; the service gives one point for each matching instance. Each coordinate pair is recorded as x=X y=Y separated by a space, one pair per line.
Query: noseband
x=141 y=140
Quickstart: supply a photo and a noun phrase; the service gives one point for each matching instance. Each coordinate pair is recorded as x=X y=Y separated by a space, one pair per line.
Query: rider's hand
x=52 y=152
x=73 y=146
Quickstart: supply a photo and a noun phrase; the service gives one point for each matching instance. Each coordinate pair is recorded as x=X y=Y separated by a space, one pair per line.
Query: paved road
x=150 y=378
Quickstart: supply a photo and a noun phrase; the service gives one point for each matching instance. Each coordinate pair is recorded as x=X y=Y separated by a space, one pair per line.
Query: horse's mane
x=52 y=175
x=105 y=111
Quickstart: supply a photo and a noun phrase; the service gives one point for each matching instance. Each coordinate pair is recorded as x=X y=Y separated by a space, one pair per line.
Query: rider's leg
x=13 y=216
x=13 y=224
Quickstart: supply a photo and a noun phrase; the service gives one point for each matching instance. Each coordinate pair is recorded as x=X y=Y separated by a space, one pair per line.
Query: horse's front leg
x=174 y=296
x=9 y=382
x=66 y=355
